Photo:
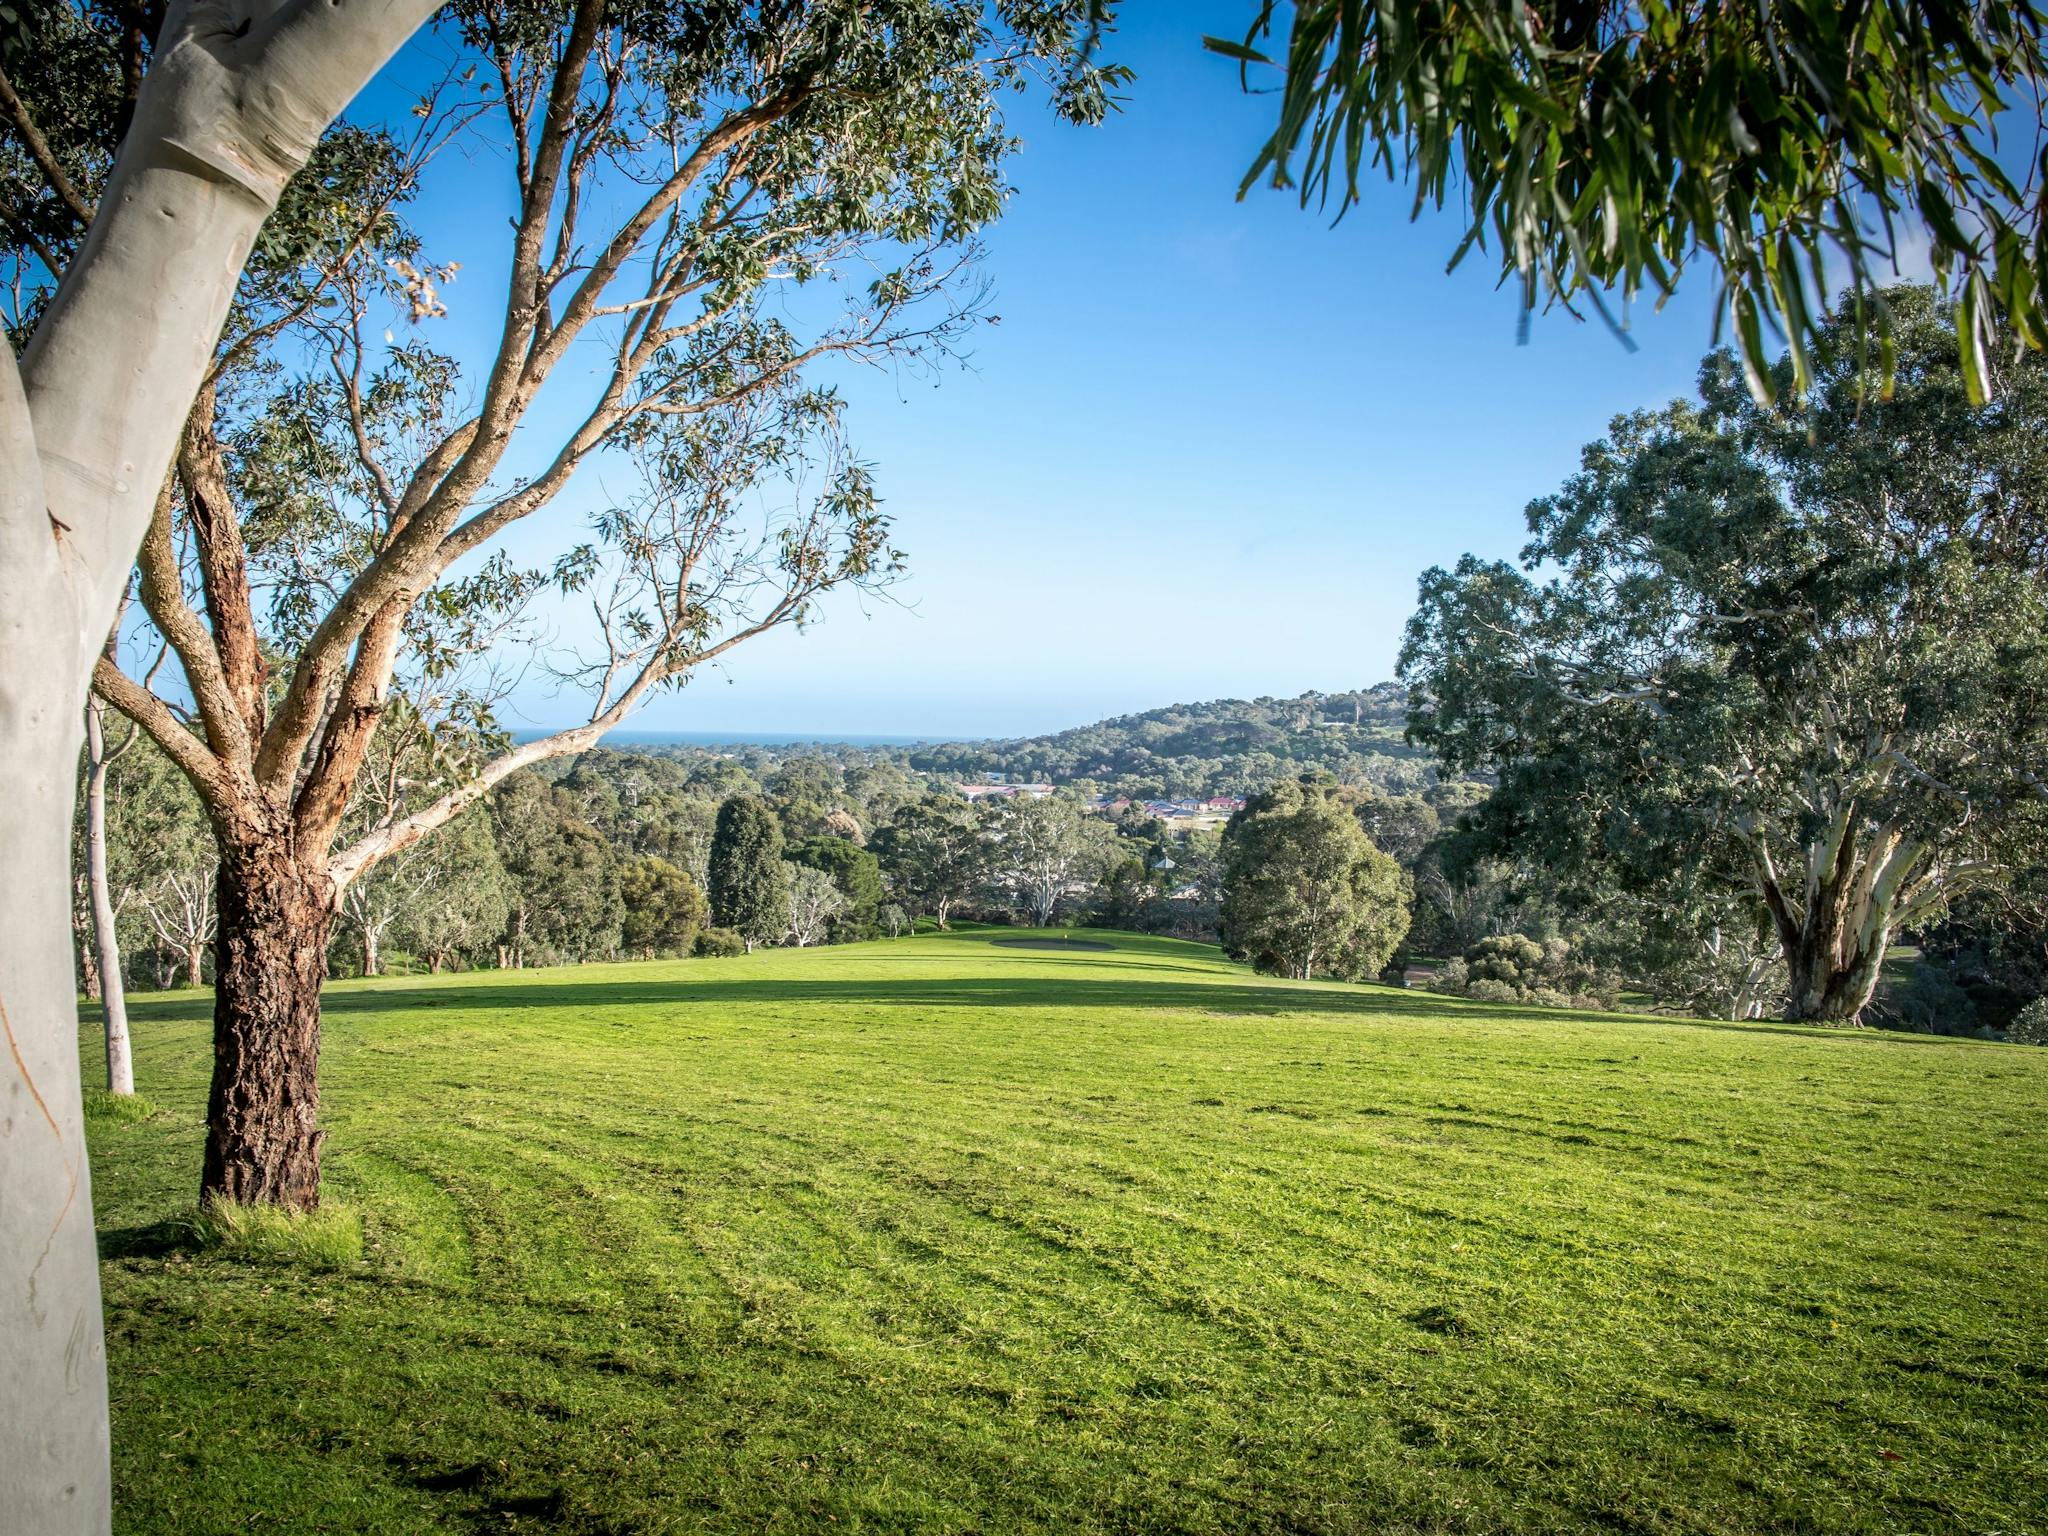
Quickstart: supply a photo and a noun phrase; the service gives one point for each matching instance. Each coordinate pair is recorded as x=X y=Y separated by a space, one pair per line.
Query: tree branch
x=39 y=151
x=151 y=713
x=163 y=598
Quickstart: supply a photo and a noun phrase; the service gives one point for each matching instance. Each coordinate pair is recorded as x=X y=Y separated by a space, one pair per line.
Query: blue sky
x=1206 y=452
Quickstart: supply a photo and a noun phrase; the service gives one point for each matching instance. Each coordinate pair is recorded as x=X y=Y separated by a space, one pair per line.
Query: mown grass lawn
x=932 y=1235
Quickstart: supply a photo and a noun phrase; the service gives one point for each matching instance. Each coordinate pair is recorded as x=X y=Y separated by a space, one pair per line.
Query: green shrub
x=1514 y=968
x=1452 y=977
x=1511 y=958
x=2030 y=1025
x=718 y=944
x=1490 y=989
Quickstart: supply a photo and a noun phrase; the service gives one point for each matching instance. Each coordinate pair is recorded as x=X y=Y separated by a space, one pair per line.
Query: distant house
x=1226 y=804
x=1006 y=791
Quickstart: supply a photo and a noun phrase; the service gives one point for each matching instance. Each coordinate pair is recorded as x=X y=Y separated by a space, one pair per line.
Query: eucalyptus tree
x=126 y=242
x=1604 y=145
x=815 y=900
x=105 y=913
x=214 y=109
x=676 y=177
x=459 y=911
x=932 y=853
x=1305 y=892
x=856 y=872
x=1799 y=657
x=561 y=877
x=1041 y=850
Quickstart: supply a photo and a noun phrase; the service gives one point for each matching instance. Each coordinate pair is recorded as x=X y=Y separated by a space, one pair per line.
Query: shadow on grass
x=1218 y=998
x=155 y=1240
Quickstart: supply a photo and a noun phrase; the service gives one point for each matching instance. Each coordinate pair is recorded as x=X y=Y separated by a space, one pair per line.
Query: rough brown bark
x=89 y=973
x=262 y=1143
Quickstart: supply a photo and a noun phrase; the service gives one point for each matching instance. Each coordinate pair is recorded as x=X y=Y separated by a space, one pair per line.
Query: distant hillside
x=1224 y=747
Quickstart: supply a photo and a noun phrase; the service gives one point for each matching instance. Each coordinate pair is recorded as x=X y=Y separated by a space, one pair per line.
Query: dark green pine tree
x=749 y=887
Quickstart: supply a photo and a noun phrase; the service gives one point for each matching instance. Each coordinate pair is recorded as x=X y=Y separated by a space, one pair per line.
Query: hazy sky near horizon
x=1206 y=452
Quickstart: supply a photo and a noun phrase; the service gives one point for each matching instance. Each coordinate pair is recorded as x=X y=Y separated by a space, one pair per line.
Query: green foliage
x=1223 y=747
x=937 y=1235
x=1041 y=853
x=664 y=909
x=749 y=886
x=1305 y=893
x=1931 y=1002
x=564 y=877
x=1602 y=146
x=161 y=862
x=1514 y=968
x=465 y=898
x=932 y=854
x=718 y=944
x=2030 y=1025
x=1799 y=653
x=855 y=872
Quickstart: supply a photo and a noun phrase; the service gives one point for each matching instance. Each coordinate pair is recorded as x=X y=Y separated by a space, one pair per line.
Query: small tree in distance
x=856 y=872
x=814 y=901
x=664 y=908
x=932 y=854
x=1305 y=892
x=749 y=884
x=1041 y=849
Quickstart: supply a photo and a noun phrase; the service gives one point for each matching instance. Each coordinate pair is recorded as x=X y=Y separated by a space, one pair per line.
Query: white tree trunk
x=106 y=944
x=232 y=106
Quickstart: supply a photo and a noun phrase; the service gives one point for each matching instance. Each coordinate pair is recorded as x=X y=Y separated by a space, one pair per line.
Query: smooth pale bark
x=1863 y=884
x=234 y=101
x=53 y=1385
x=106 y=944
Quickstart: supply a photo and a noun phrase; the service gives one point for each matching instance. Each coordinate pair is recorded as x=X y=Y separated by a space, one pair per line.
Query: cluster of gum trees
x=1776 y=673
x=1028 y=855
x=1034 y=857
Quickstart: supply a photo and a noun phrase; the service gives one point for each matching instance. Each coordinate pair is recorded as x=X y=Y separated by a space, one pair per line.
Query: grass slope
x=934 y=1235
